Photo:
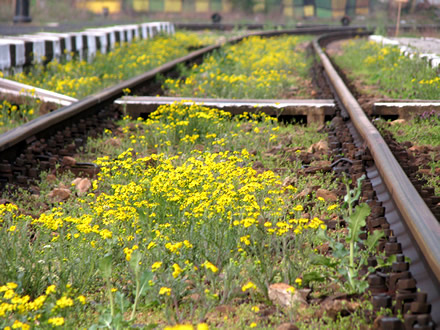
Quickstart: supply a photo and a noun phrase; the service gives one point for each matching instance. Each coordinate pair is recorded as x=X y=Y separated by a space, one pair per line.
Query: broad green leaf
x=356 y=221
x=321 y=260
x=146 y=276
x=339 y=250
x=134 y=261
x=105 y=266
x=313 y=277
x=372 y=239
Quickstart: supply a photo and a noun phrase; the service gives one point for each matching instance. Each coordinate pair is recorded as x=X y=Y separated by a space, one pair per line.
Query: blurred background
x=231 y=11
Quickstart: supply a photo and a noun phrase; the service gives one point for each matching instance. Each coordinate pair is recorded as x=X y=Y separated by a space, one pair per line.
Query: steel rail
x=422 y=224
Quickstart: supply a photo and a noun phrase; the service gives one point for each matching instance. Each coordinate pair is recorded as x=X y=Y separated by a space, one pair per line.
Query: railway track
x=410 y=227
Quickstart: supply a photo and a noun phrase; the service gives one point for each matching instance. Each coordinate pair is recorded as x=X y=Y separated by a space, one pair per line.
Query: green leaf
x=134 y=261
x=373 y=239
x=146 y=276
x=105 y=266
x=313 y=277
x=339 y=250
x=324 y=261
x=121 y=302
x=358 y=189
x=356 y=221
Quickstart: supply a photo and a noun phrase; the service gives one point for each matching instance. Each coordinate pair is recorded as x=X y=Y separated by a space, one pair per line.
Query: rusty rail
x=418 y=219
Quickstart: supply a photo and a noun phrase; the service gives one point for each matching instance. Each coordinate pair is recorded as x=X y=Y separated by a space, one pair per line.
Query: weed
x=388 y=71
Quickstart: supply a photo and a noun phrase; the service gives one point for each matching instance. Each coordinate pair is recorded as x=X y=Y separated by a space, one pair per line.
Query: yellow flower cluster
x=187 y=125
x=34 y=311
x=80 y=78
x=12 y=115
x=187 y=217
x=255 y=68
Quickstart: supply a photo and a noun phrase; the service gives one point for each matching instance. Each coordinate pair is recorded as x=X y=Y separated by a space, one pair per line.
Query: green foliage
x=13 y=114
x=423 y=130
x=345 y=261
x=388 y=72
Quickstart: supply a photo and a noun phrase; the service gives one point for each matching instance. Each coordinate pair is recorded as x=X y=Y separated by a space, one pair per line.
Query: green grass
x=384 y=71
x=423 y=130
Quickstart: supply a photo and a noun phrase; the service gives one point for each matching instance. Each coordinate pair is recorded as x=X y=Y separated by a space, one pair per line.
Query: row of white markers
x=19 y=51
x=432 y=59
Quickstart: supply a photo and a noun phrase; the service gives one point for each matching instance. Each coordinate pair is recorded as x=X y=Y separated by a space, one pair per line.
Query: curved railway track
x=412 y=229
x=416 y=228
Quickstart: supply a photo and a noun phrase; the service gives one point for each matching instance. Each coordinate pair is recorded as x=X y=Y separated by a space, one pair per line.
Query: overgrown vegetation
x=423 y=132
x=13 y=115
x=81 y=78
x=176 y=225
x=259 y=68
x=385 y=71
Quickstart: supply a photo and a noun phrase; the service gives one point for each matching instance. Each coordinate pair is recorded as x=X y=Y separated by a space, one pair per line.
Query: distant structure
x=288 y=8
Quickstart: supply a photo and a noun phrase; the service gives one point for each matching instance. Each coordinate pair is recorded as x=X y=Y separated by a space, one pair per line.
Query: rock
x=328 y=196
x=398 y=122
x=280 y=294
x=289 y=181
x=59 y=194
x=419 y=149
x=68 y=161
x=82 y=185
x=321 y=146
x=51 y=178
x=319 y=166
x=287 y=326
x=76 y=181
